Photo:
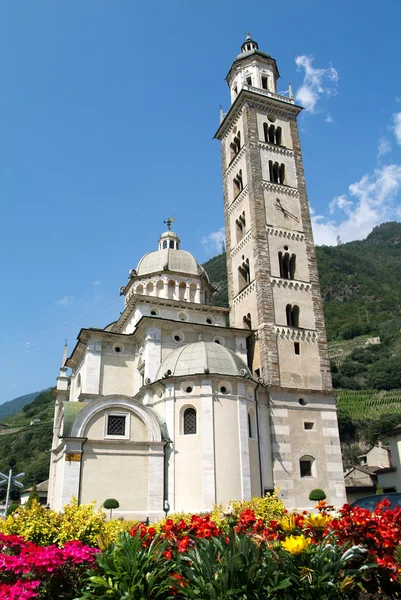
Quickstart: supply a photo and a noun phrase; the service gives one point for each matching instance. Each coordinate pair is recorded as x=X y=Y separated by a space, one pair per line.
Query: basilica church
x=169 y=408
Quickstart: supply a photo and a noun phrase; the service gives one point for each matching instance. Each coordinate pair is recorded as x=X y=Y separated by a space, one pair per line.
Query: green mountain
x=12 y=406
x=26 y=436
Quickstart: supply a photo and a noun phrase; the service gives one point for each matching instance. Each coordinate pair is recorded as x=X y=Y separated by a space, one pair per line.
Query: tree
x=111 y=503
x=32 y=497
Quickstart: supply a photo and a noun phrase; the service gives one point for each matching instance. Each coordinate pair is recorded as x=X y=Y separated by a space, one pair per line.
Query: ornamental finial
x=248 y=35
x=169 y=222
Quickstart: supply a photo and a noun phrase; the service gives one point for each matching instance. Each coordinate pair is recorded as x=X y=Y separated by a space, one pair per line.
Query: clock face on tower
x=287 y=214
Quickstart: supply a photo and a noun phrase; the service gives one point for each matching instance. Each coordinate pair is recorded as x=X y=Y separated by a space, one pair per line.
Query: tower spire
x=63 y=368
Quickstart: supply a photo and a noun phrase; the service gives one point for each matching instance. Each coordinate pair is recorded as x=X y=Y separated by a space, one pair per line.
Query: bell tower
x=273 y=282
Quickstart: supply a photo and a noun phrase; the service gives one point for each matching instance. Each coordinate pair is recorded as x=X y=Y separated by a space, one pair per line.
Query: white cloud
x=370 y=202
x=316 y=83
x=397 y=127
x=384 y=147
x=96 y=283
x=66 y=300
x=213 y=242
x=329 y=119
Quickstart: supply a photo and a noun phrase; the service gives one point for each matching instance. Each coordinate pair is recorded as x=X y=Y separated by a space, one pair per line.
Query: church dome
x=178 y=261
x=169 y=257
x=200 y=358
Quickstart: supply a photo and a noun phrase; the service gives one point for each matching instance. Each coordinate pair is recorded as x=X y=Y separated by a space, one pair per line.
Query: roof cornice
x=262 y=98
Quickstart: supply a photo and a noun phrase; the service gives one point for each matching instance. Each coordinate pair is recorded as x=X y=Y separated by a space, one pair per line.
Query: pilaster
x=208 y=467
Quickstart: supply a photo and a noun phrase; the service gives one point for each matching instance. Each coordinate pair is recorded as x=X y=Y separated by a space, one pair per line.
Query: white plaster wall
x=92 y=366
x=252 y=67
x=117 y=374
x=276 y=217
x=188 y=458
x=228 y=475
x=299 y=370
x=116 y=472
x=395 y=451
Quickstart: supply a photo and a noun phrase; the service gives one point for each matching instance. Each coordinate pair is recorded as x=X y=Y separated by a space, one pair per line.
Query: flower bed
x=235 y=552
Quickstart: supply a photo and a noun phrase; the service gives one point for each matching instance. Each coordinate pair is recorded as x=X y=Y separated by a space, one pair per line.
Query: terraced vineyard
x=368 y=404
x=339 y=350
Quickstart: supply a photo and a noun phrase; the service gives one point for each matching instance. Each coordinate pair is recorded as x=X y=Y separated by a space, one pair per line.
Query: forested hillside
x=12 y=406
x=26 y=436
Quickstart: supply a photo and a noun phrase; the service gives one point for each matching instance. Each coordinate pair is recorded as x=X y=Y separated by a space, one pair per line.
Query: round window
x=209 y=320
x=302 y=402
x=223 y=389
x=154 y=312
x=188 y=389
x=183 y=316
x=178 y=336
x=271 y=118
x=219 y=340
x=118 y=348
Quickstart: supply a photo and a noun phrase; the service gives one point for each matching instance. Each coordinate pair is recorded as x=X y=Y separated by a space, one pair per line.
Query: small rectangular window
x=235 y=90
x=249 y=80
x=116 y=425
x=306 y=468
x=264 y=82
x=297 y=349
x=309 y=425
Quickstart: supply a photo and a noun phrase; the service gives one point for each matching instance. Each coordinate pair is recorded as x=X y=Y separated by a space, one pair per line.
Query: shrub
x=111 y=503
x=12 y=508
x=317 y=495
x=32 y=496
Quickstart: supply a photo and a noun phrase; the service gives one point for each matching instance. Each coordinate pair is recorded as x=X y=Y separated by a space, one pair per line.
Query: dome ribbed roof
x=202 y=357
x=178 y=261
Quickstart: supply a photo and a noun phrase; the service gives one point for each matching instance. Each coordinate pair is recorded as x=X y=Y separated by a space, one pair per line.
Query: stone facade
x=269 y=238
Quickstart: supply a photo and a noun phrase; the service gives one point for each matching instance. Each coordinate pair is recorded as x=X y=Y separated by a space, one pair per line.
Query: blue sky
x=108 y=110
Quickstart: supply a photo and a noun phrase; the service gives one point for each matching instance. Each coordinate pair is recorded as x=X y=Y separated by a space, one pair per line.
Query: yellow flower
x=317 y=521
x=288 y=523
x=295 y=544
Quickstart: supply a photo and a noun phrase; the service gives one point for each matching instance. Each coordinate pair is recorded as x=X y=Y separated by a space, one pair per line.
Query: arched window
x=281 y=174
x=266 y=131
x=240 y=226
x=307 y=466
x=238 y=183
x=244 y=274
x=292 y=314
x=271 y=134
x=287 y=265
x=165 y=244
x=247 y=321
x=252 y=423
x=277 y=172
x=189 y=421
x=278 y=135
x=171 y=243
x=235 y=146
